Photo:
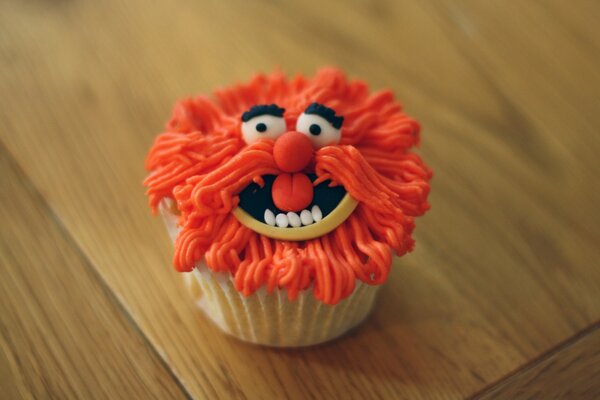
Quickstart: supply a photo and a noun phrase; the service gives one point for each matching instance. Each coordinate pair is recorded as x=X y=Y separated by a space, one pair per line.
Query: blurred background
x=501 y=297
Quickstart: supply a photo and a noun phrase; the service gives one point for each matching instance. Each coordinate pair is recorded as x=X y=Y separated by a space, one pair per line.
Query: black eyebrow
x=262 y=109
x=325 y=112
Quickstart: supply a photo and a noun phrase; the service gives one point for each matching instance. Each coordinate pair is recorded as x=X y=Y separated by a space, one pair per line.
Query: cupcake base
x=271 y=319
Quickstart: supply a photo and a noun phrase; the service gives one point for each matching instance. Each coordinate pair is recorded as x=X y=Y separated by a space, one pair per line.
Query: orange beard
x=203 y=164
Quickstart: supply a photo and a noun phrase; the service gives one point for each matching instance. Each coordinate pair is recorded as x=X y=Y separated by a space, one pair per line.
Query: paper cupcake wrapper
x=271 y=318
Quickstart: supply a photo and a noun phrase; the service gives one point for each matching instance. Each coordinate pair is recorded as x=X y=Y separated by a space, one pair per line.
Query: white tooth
x=306 y=217
x=281 y=220
x=317 y=214
x=294 y=219
x=269 y=217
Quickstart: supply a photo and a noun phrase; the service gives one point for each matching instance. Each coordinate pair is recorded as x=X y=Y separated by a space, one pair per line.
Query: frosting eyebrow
x=325 y=112
x=262 y=109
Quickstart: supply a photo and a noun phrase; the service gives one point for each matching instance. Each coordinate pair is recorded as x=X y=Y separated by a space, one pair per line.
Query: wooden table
x=501 y=298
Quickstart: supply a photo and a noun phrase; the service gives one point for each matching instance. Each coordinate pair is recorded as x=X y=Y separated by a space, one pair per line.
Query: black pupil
x=261 y=127
x=315 y=129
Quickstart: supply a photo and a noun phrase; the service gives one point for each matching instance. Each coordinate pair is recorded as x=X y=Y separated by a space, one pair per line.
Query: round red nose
x=292 y=151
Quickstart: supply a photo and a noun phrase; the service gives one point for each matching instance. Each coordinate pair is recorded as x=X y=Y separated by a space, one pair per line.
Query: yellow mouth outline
x=317 y=229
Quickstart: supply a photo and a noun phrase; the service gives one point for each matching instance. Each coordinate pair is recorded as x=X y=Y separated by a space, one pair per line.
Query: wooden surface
x=565 y=374
x=63 y=333
x=501 y=297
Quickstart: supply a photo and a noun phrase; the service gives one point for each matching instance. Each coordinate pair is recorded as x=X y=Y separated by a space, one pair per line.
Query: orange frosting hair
x=202 y=163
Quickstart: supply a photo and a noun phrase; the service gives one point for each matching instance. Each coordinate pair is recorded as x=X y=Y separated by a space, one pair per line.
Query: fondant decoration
x=256 y=199
x=320 y=124
x=291 y=227
x=292 y=192
x=263 y=121
x=292 y=152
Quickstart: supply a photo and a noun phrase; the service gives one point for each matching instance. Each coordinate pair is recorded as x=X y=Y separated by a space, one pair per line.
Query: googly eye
x=318 y=129
x=263 y=126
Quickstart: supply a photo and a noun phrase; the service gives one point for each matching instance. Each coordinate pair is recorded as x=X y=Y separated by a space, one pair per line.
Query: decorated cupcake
x=287 y=200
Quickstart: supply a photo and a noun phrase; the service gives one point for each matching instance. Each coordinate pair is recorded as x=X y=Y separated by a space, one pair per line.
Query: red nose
x=292 y=191
x=292 y=151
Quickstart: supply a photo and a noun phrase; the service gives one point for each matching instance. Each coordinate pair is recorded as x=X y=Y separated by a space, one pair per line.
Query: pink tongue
x=292 y=192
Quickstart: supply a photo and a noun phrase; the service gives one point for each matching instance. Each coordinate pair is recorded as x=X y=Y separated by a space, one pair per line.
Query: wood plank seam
x=534 y=362
x=90 y=266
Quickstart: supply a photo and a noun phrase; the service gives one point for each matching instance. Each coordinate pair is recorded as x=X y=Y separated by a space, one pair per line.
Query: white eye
x=318 y=129
x=262 y=126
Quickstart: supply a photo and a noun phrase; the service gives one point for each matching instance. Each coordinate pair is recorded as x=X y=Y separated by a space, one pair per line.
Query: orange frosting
x=202 y=163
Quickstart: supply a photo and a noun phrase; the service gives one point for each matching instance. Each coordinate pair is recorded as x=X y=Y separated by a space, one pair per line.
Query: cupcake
x=287 y=200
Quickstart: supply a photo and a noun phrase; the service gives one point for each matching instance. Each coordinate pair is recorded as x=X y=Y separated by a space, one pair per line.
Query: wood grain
x=506 y=265
x=61 y=334
x=570 y=373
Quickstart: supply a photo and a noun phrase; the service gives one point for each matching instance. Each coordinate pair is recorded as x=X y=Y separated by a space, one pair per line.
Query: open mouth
x=329 y=207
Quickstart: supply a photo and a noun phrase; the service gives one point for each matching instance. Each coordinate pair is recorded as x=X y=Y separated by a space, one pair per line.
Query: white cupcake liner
x=271 y=318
